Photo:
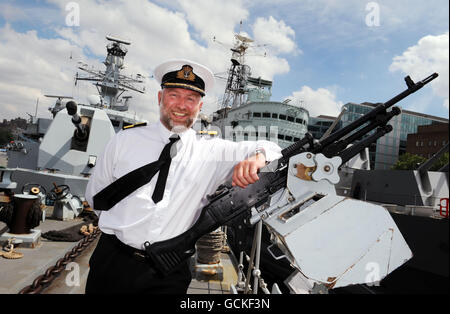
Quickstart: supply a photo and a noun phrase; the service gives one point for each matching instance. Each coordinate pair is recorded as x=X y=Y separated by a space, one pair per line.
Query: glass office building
x=387 y=149
x=317 y=126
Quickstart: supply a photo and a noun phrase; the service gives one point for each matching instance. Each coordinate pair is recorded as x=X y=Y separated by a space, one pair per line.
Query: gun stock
x=232 y=202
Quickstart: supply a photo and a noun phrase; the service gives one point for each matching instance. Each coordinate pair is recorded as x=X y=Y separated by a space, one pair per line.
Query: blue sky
x=322 y=52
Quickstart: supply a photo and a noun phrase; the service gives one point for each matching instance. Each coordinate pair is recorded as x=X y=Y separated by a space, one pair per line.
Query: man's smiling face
x=179 y=107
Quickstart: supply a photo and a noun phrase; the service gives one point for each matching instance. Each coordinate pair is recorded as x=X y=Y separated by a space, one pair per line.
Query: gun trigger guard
x=304 y=172
x=273 y=255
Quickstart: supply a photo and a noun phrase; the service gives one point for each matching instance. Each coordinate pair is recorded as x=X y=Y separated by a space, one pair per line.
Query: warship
x=51 y=165
x=64 y=149
x=246 y=111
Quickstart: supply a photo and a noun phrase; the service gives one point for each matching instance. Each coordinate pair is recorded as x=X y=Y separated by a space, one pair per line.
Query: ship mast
x=238 y=74
x=110 y=83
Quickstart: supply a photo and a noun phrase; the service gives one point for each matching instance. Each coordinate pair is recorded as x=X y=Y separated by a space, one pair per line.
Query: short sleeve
x=102 y=175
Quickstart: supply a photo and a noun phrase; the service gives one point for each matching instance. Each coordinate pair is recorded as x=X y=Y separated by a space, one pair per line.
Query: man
x=142 y=194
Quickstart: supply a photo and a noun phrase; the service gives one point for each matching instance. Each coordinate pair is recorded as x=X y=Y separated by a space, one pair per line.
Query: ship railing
x=411 y=204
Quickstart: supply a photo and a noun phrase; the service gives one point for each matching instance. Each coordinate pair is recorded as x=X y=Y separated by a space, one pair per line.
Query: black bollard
x=22 y=205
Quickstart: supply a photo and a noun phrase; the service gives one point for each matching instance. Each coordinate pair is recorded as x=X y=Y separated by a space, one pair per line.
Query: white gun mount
x=330 y=240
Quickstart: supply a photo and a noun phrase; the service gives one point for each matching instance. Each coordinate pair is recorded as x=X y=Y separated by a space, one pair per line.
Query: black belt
x=140 y=255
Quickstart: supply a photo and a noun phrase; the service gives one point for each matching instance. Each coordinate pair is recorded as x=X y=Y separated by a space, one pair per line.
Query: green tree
x=441 y=162
x=5 y=137
x=408 y=161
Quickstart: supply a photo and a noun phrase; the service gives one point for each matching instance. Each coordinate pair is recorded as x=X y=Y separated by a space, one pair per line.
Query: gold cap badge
x=186 y=73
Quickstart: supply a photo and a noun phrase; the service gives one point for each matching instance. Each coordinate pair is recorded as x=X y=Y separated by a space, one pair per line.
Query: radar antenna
x=58 y=106
x=239 y=72
x=111 y=84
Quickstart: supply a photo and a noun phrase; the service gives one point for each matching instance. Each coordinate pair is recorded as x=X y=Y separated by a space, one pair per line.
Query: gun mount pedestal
x=67 y=209
x=67 y=206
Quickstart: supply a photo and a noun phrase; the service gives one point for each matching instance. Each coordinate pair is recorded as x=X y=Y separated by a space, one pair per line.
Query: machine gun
x=280 y=195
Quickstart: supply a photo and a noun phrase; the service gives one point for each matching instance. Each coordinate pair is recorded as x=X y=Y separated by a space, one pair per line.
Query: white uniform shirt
x=199 y=167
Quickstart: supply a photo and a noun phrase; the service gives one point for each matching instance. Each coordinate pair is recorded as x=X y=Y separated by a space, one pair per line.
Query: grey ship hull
x=427 y=271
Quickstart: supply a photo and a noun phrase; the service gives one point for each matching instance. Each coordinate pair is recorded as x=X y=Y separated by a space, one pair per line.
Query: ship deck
x=19 y=273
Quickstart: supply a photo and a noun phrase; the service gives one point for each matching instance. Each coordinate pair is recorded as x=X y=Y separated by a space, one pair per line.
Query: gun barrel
x=429 y=78
x=340 y=145
x=350 y=152
x=81 y=132
x=298 y=147
x=412 y=88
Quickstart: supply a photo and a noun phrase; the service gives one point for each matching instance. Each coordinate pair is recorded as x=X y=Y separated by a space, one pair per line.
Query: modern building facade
x=317 y=126
x=428 y=140
x=387 y=149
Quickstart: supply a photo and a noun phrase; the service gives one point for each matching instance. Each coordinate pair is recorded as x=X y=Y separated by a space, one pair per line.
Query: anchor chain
x=43 y=281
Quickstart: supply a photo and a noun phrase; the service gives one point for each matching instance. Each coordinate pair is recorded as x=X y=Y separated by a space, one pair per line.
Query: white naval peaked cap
x=182 y=73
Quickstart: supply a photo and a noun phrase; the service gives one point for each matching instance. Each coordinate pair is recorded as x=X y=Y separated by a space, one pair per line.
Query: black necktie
x=166 y=158
x=127 y=184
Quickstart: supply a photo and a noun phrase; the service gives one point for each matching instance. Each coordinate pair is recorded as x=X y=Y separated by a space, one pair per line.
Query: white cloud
x=11 y=13
x=43 y=63
x=428 y=56
x=276 y=38
x=157 y=33
x=276 y=34
x=267 y=67
x=32 y=67
x=214 y=18
x=330 y=23
x=318 y=102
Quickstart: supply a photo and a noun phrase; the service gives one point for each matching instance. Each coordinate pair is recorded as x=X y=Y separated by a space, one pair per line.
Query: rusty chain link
x=43 y=281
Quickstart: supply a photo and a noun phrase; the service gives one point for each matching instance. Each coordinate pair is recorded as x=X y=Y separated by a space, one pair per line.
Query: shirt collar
x=165 y=134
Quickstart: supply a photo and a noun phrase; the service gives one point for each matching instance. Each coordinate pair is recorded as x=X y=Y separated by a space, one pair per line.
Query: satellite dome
x=93 y=99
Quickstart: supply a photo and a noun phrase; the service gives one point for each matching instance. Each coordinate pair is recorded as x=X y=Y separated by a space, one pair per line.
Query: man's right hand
x=246 y=172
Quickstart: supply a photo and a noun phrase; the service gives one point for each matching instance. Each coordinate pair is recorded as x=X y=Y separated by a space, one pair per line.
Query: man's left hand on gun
x=246 y=172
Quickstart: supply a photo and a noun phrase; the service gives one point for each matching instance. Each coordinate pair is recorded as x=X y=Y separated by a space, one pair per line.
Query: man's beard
x=168 y=123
